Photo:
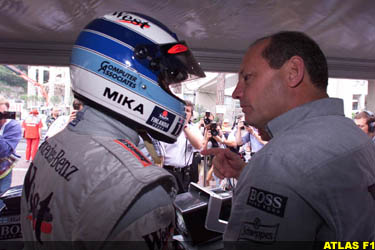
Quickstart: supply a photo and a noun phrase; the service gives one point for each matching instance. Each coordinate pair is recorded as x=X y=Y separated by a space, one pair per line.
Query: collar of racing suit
x=91 y=121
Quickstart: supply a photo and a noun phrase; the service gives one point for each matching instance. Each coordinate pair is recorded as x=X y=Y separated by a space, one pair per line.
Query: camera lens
x=214 y=132
x=76 y=106
x=206 y=120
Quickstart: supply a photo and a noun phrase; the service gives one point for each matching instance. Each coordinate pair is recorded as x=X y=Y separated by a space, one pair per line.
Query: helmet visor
x=177 y=64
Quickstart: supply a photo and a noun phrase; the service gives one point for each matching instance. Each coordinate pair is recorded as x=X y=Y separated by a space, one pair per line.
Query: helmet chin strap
x=149 y=146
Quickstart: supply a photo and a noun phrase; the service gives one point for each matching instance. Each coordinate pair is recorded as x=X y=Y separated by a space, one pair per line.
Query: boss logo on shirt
x=266 y=201
x=10 y=227
x=257 y=232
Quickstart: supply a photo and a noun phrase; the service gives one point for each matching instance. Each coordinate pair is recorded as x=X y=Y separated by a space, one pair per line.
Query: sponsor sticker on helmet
x=123 y=100
x=161 y=119
x=124 y=17
x=117 y=73
x=143 y=26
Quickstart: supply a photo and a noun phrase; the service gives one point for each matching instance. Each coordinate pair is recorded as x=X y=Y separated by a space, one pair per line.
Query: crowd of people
x=111 y=170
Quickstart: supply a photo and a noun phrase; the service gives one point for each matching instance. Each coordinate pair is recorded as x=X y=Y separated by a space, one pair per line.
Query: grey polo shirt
x=310 y=182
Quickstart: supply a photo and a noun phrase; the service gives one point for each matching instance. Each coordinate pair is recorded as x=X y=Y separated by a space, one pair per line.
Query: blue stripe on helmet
x=112 y=49
x=125 y=77
x=117 y=31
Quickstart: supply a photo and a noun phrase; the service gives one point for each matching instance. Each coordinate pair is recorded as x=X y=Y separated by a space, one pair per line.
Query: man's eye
x=246 y=77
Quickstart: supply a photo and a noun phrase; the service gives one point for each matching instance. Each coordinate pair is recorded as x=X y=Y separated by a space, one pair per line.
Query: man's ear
x=295 y=70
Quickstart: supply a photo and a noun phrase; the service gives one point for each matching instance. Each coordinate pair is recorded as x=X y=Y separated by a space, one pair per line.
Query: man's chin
x=249 y=120
x=252 y=121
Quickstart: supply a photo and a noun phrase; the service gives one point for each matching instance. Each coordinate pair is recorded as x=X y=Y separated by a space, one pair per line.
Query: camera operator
x=216 y=138
x=208 y=123
x=10 y=135
x=250 y=136
x=204 y=121
x=213 y=137
x=178 y=157
x=55 y=113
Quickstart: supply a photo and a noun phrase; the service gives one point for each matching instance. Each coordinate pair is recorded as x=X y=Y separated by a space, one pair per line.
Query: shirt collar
x=321 y=107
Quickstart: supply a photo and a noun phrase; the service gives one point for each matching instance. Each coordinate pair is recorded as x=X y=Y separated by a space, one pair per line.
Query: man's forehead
x=253 y=55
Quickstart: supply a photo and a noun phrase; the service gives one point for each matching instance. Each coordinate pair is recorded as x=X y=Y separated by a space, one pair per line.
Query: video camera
x=7 y=115
x=76 y=106
x=213 y=129
x=245 y=124
x=202 y=214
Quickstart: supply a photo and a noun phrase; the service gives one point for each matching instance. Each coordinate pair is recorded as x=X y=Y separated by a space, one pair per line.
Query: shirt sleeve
x=10 y=138
x=162 y=149
x=232 y=136
x=194 y=129
x=245 y=138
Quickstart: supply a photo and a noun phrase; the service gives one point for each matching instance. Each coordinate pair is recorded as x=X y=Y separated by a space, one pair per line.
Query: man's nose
x=237 y=92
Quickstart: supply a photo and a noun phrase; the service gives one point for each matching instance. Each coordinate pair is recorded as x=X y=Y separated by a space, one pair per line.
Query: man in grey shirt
x=315 y=179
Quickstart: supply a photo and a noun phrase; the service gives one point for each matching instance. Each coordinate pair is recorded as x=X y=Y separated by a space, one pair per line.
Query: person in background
x=250 y=138
x=54 y=115
x=365 y=120
x=62 y=121
x=315 y=179
x=226 y=128
x=213 y=138
x=89 y=186
x=204 y=121
x=32 y=132
x=10 y=135
x=178 y=157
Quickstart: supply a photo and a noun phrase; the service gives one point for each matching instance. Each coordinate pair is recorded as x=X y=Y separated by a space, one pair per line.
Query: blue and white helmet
x=124 y=64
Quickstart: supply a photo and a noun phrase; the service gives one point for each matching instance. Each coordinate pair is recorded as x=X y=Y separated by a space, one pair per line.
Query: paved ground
x=19 y=171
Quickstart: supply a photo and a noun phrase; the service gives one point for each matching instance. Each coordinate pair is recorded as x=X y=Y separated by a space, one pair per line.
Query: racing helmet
x=124 y=64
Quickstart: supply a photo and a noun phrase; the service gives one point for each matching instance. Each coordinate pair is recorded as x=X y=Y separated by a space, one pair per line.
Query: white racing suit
x=89 y=183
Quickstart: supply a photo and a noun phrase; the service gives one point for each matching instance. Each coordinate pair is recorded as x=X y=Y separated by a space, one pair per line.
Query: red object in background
x=32 y=125
x=19 y=73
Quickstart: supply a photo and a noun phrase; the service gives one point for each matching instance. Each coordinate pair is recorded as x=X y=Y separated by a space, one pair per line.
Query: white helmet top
x=123 y=63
